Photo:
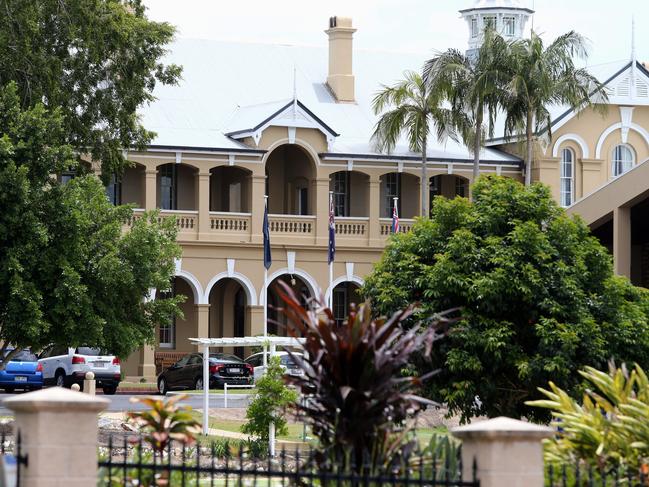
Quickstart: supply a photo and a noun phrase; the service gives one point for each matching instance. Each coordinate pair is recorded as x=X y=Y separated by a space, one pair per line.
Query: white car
x=290 y=367
x=64 y=366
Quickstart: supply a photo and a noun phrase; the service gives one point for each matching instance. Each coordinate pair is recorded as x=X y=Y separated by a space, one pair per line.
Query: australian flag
x=332 y=231
x=268 y=260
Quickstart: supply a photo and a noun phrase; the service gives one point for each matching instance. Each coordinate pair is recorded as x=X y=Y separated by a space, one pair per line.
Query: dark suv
x=187 y=373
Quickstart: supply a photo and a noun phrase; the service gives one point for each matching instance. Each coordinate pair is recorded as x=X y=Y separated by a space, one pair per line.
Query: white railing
x=186 y=220
x=405 y=225
x=351 y=226
x=227 y=386
x=230 y=222
x=292 y=224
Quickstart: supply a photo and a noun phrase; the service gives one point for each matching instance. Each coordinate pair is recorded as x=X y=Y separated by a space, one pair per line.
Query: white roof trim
x=578 y=139
x=634 y=126
x=293 y=115
x=622 y=92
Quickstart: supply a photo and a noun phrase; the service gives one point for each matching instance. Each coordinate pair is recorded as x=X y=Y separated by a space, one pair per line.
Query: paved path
x=123 y=402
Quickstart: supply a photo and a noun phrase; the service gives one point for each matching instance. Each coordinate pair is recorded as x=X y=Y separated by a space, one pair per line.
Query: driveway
x=122 y=403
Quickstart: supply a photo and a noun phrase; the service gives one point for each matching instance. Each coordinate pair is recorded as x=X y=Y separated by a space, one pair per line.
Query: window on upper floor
x=475 y=31
x=489 y=21
x=341 y=193
x=567 y=177
x=114 y=190
x=67 y=176
x=391 y=190
x=168 y=187
x=509 y=26
x=461 y=187
x=623 y=159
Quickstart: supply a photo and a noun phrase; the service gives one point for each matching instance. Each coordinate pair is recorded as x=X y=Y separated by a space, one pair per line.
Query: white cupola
x=509 y=18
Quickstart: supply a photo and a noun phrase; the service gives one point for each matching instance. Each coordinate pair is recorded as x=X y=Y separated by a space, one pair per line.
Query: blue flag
x=332 y=232
x=268 y=260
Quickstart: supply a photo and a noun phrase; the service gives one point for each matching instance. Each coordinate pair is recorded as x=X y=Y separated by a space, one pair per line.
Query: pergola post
x=206 y=389
x=206 y=343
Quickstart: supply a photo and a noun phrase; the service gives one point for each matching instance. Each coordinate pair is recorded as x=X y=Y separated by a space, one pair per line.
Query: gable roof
x=229 y=87
x=626 y=83
x=254 y=118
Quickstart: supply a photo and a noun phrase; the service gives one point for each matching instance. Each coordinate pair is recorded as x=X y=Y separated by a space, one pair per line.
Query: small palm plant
x=357 y=397
x=165 y=421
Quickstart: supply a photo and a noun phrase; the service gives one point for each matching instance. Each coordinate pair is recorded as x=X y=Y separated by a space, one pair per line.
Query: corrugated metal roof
x=230 y=84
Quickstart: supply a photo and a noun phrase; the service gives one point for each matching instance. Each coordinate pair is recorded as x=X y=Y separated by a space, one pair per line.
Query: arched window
x=567 y=176
x=623 y=159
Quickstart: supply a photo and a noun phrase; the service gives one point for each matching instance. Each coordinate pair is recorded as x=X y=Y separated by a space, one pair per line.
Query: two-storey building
x=295 y=123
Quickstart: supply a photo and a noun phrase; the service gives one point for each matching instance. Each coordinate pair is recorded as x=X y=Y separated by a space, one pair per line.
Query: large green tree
x=69 y=274
x=410 y=107
x=538 y=294
x=97 y=61
x=542 y=76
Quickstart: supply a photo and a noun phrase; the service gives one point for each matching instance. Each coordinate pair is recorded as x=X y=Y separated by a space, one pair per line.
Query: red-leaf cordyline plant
x=358 y=399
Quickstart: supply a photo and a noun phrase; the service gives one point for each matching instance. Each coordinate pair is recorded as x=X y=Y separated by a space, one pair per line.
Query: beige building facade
x=295 y=124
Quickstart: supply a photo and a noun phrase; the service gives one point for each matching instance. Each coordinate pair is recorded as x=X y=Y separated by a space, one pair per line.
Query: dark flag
x=332 y=231
x=268 y=260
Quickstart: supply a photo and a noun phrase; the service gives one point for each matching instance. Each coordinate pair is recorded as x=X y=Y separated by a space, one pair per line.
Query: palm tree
x=545 y=76
x=415 y=110
x=473 y=85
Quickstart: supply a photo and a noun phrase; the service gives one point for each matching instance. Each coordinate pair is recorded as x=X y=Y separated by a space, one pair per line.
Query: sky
x=402 y=25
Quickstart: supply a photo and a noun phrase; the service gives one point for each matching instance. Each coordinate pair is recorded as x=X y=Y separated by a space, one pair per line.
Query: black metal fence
x=580 y=474
x=129 y=462
x=11 y=451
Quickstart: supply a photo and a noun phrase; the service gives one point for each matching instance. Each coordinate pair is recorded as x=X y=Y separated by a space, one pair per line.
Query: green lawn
x=295 y=431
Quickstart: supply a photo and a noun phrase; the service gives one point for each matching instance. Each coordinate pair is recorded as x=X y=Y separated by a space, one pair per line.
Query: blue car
x=22 y=372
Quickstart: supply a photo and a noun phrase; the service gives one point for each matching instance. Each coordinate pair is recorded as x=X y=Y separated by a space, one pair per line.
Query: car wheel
x=109 y=390
x=60 y=379
x=198 y=384
x=162 y=387
x=9 y=389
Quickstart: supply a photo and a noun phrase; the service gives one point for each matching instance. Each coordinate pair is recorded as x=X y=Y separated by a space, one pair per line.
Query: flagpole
x=265 y=361
x=331 y=262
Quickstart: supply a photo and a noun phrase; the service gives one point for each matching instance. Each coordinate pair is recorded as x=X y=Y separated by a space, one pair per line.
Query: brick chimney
x=341 y=76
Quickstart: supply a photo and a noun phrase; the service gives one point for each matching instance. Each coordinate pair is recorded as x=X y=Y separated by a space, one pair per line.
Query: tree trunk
x=424 y=178
x=477 y=145
x=530 y=149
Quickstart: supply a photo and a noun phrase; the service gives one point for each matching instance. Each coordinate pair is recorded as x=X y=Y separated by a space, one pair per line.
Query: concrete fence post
x=507 y=452
x=58 y=430
x=89 y=384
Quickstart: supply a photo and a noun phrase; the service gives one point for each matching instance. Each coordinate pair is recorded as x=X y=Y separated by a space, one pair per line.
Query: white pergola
x=260 y=341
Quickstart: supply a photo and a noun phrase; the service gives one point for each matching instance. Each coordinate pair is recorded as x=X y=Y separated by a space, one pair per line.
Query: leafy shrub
x=269 y=403
x=610 y=428
x=357 y=399
x=165 y=421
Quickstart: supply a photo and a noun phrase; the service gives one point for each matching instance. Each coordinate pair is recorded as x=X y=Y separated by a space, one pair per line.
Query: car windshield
x=225 y=357
x=23 y=356
x=92 y=351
